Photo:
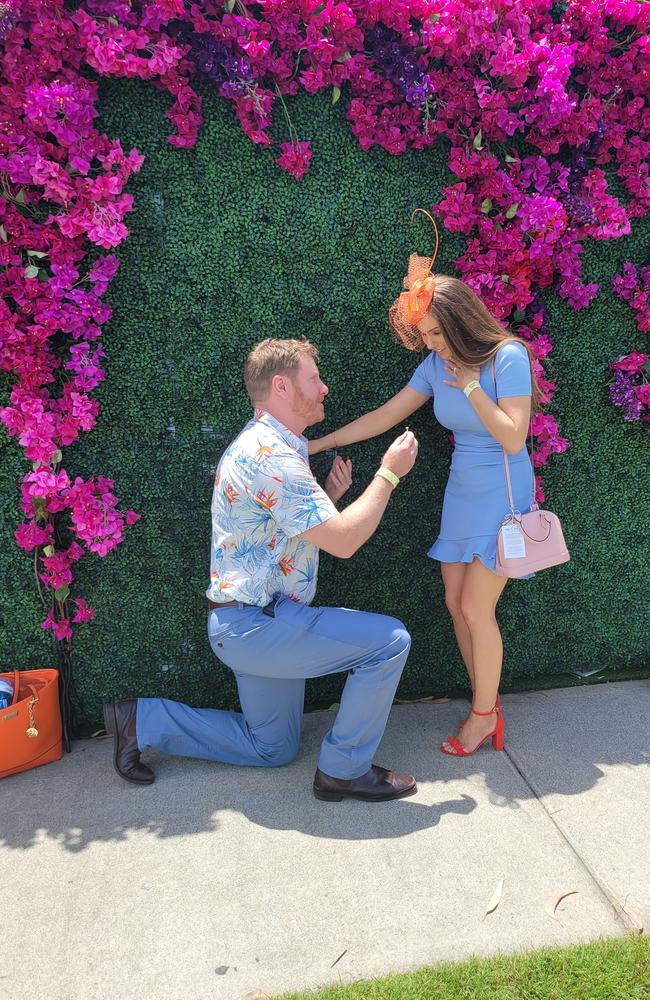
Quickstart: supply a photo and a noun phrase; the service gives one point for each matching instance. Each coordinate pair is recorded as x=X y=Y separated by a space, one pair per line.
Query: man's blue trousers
x=271 y=657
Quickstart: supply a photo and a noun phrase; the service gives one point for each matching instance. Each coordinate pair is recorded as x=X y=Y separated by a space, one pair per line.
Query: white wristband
x=388 y=475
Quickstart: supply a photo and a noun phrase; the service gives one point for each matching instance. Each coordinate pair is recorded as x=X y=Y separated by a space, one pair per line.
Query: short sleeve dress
x=476 y=496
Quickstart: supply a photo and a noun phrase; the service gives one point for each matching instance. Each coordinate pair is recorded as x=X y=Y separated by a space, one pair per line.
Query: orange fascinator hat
x=420 y=286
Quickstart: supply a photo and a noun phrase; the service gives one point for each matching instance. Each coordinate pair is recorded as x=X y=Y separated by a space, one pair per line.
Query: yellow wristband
x=469 y=388
x=389 y=476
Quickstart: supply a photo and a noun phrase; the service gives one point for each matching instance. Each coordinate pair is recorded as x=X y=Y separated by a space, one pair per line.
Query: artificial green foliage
x=226 y=249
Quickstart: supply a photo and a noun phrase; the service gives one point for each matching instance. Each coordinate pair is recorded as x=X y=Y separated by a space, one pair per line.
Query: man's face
x=309 y=392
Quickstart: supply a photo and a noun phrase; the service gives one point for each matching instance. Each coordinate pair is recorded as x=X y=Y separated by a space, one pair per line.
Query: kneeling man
x=269 y=520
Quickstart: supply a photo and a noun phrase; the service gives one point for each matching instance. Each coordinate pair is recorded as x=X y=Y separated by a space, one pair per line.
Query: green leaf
x=512 y=211
x=20 y=197
x=510 y=159
x=61 y=594
x=112 y=20
x=57 y=456
x=36 y=253
x=48 y=550
x=344 y=56
x=505 y=278
x=336 y=93
x=3 y=234
x=486 y=205
x=230 y=6
x=519 y=316
x=478 y=140
x=31 y=271
x=40 y=508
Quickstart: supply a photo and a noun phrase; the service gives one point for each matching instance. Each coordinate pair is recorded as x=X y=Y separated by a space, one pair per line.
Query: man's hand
x=400 y=457
x=339 y=479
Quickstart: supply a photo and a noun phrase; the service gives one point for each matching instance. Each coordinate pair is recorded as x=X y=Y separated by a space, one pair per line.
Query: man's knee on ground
x=280 y=754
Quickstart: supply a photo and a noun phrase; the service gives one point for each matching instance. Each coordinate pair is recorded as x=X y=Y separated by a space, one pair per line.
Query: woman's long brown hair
x=472 y=333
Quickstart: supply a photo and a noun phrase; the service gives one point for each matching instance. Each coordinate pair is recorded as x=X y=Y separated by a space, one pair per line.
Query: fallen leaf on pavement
x=257 y=995
x=635 y=918
x=496 y=898
x=552 y=902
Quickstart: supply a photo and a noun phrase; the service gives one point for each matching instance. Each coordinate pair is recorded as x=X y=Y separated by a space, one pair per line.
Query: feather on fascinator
x=420 y=286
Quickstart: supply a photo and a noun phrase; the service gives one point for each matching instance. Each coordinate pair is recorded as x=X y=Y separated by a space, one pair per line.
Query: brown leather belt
x=226 y=604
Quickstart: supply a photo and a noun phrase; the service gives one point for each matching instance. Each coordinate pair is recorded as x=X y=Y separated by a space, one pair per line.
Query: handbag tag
x=514 y=545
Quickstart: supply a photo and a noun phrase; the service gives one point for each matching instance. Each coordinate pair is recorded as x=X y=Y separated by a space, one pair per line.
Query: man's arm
x=345 y=533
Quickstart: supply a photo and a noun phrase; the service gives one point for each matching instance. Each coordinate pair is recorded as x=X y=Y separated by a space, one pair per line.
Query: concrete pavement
x=217 y=880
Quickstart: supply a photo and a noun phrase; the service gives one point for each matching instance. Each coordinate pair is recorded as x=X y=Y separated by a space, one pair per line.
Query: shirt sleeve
x=513 y=376
x=292 y=496
x=422 y=378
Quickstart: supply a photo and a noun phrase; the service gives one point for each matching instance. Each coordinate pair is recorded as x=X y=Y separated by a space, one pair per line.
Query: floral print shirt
x=264 y=497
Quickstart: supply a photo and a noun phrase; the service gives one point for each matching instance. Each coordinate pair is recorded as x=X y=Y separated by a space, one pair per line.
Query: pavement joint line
x=618 y=907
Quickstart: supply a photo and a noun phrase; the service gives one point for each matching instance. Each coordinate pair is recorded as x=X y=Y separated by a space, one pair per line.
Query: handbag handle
x=505 y=454
x=546 y=536
x=16 y=686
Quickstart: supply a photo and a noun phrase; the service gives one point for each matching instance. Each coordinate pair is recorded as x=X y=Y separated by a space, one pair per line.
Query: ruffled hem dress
x=476 y=495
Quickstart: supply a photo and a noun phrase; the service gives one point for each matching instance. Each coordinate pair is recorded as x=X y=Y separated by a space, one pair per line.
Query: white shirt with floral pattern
x=264 y=497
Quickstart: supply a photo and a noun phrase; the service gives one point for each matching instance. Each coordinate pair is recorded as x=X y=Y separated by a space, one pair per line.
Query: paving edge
x=629 y=923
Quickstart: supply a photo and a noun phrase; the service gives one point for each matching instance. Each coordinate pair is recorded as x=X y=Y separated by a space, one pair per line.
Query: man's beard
x=312 y=412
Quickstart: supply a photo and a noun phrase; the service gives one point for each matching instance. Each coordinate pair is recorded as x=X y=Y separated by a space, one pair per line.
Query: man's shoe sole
x=336 y=797
x=110 y=725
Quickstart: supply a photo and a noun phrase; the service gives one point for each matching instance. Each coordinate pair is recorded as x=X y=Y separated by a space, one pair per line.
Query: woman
x=482 y=386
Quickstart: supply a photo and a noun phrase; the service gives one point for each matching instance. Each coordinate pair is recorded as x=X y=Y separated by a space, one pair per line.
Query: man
x=269 y=519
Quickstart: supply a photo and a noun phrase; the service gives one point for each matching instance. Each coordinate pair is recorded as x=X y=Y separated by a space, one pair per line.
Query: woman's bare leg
x=479 y=597
x=453 y=577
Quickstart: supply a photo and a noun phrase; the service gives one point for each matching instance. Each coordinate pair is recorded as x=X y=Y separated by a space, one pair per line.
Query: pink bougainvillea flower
x=295 y=158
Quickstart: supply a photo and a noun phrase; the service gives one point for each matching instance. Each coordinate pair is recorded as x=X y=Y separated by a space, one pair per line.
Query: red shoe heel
x=497 y=739
x=454 y=748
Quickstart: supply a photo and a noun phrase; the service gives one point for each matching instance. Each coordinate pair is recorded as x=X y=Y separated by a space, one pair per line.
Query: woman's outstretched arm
x=393 y=412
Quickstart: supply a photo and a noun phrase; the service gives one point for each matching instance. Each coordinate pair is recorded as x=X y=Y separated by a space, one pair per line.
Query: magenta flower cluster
x=567 y=82
x=630 y=390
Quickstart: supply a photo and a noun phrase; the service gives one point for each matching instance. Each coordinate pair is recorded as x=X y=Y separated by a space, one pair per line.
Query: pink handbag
x=539 y=545
x=529 y=542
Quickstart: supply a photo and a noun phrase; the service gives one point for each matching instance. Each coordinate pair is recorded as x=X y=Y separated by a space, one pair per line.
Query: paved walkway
x=217 y=881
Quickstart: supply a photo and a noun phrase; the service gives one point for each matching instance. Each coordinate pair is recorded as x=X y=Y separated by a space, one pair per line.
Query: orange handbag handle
x=16 y=686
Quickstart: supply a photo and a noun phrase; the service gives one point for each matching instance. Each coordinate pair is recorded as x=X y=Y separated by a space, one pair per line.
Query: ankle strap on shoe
x=491 y=712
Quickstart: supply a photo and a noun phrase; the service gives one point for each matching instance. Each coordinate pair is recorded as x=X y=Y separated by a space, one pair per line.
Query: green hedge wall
x=226 y=249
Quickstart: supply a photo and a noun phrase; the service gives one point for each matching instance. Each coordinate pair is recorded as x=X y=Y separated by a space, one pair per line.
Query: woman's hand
x=461 y=375
x=339 y=480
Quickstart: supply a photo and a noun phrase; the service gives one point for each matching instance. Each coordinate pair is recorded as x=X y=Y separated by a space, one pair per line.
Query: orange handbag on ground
x=30 y=728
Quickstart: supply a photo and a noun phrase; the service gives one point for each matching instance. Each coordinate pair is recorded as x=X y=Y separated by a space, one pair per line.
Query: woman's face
x=433 y=337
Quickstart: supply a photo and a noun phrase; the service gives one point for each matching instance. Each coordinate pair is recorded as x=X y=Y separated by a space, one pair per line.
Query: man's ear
x=280 y=385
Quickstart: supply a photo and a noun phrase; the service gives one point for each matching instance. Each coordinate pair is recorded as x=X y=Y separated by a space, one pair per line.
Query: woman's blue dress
x=476 y=497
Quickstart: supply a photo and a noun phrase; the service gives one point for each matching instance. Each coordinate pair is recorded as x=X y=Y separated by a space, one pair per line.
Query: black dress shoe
x=119 y=721
x=376 y=785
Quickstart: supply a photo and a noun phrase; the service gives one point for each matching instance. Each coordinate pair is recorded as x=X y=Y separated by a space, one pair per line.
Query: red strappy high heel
x=456 y=748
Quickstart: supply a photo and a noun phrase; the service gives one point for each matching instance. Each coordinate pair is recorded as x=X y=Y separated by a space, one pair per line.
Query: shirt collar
x=295 y=441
